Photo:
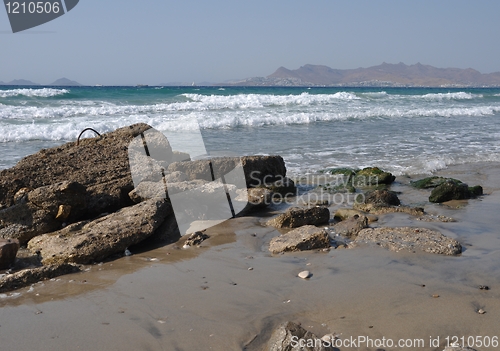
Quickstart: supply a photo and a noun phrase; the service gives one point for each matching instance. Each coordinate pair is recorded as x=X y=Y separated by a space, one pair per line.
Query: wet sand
x=206 y=298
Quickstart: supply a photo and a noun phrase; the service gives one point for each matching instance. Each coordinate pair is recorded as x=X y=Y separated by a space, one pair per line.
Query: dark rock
x=452 y=190
x=90 y=241
x=372 y=176
x=43 y=210
x=8 y=252
x=409 y=239
x=296 y=217
x=30 y=276
x=307 y=237
x=382 y=197
x=290 y=336
x=430 y=182
x=476 y=190
x=100 y=164
x=351 y=226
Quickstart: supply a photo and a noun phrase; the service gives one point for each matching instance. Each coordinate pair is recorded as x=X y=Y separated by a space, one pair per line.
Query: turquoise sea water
x=404 y=130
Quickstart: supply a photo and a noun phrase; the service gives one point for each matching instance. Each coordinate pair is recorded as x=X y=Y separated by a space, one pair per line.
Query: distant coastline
x=383 y=75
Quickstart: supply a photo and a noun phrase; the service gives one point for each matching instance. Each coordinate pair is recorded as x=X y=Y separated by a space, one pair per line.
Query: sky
x=122 y=42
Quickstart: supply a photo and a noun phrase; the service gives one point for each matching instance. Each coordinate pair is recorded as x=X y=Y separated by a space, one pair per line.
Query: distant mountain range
x=385 y=74
x=59 y=82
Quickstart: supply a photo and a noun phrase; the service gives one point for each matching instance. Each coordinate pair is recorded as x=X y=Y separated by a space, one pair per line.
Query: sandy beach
x=229 y=293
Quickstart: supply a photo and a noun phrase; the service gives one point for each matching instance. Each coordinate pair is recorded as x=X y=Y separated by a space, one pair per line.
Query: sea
x=405 y=131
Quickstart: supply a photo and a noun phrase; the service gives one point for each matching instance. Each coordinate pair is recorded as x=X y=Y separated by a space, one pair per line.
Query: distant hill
x=385 y=74
x=65 y=82
x=21 y=82
x=2 y=83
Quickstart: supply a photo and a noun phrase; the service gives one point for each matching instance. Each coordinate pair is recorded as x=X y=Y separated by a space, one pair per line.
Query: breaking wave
x=43 y=92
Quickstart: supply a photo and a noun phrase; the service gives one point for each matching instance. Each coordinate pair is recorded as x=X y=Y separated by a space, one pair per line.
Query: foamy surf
x=43 y=92
x=406 y=131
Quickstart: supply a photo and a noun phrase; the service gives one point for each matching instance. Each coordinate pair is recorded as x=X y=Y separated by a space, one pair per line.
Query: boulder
x=43 y=210
x=91 y=241
x=290 y=336
x=345 y=213
x=454 y=190
x=296 y=217
x=430 y=182
x=351 y=226
x=409 y=239
x=8 y=252
x=101 y=164
x=307 y=237
x=382 y=197
x=372 y=176
x=30 y=276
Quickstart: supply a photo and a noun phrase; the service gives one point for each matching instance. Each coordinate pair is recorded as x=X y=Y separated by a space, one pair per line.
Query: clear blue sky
x=157 y=41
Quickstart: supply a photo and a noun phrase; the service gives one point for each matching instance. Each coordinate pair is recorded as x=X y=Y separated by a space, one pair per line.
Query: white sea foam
x=245 y=101
x=43 y=92
x=461 y=95
x=376 y=94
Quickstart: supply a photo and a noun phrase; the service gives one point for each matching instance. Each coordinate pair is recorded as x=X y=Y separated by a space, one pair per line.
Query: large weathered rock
x=351 y=226
x=43 y=210
x=307 y=237
x=290 y=336
x=296 y=217
x=410 y=239
x=454 y=190
x=101 y=164
x=90 y=241
x=8 y=252
x=30 y=276
x=258 y=169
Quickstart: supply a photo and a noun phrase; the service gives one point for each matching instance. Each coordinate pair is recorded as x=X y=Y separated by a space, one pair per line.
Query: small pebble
x=435 y=296
x=304 y=274
x=484 y=287
x=481 y=311
x=250 y=268
x=127 y=252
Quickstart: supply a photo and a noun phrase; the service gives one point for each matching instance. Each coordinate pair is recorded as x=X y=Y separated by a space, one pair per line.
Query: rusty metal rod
x=83 y=131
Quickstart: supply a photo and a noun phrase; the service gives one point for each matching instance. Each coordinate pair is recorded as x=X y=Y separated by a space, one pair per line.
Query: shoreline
x=207 y=295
